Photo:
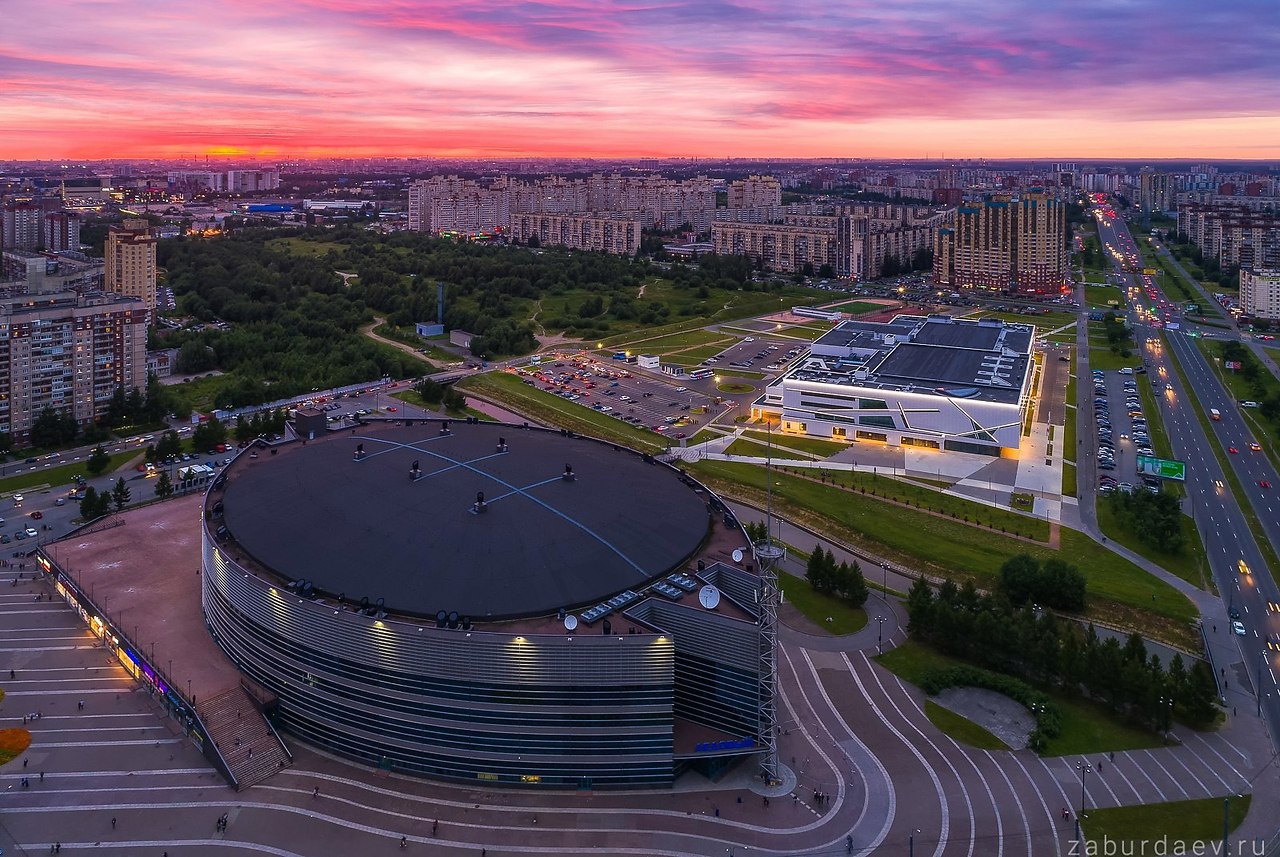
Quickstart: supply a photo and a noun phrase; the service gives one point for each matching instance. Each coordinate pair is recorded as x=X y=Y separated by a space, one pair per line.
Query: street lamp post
x=880 y=620
x=1084 y=768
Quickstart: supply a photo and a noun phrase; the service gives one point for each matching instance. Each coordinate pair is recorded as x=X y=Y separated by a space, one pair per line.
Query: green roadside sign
x=1165 y=468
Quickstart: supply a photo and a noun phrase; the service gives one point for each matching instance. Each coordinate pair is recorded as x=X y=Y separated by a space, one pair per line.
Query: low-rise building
x=932 y=382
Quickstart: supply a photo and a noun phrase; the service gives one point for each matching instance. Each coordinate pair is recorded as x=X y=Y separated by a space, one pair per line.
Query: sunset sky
x=784 y=78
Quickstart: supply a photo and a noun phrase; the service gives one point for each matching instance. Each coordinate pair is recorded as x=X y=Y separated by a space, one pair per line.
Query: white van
x=1248 y=404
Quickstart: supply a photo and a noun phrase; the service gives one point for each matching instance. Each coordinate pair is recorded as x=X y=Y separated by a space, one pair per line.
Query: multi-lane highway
x=1221 y=522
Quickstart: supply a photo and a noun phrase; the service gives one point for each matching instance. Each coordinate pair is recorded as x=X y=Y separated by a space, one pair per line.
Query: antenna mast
x=768 y=554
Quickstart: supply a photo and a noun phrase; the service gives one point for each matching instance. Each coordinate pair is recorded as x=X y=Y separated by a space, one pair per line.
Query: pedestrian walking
x=315 y=792
x=113 y=822
x=80 y=705
x=435 y=827
x=42 y=776
x=1099 y=766
x=1113 y=755
x=404 y=842
x=24 y=762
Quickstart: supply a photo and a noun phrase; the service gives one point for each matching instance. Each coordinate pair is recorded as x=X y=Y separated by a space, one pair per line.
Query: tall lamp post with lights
x=1084 y=768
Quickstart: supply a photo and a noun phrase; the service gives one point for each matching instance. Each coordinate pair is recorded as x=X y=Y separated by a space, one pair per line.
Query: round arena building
x=491 y=603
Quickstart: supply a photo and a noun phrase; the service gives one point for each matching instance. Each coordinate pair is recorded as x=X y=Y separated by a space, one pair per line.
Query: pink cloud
x=630 y=76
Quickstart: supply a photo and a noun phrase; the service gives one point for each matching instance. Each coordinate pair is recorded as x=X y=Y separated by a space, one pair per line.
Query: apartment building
x=23 y=224
x=1004 y=243
x=450 y=203
x=1155 y=190
x=601 y=233
x=755 y=192
x=61 y=231
x=69 y=352
x=1260 y=293
x=1234 y=234
x=130 y=256
x=855 y=240
x=787 y=247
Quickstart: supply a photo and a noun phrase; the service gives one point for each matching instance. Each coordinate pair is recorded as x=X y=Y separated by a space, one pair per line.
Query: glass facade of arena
x=590 y=711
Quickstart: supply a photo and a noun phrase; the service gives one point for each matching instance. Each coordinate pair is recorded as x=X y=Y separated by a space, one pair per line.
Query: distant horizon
x=264 y=160
x=617 y=79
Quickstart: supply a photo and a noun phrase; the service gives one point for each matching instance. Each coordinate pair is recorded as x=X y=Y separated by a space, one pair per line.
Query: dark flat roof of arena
x=366 y=529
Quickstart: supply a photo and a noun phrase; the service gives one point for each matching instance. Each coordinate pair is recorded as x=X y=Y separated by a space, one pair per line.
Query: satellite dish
x=709 y=596
x=570 y=622
x=737 y=554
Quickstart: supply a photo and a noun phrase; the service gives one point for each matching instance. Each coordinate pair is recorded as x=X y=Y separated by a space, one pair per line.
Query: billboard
x=1231 y=364
x=1151 y=272
x=1165 y=468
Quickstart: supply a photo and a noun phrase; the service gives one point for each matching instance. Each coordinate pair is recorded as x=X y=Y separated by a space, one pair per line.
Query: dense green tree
x=120 y=494
x=98 y=461
x=208 y=435
x=164 y=485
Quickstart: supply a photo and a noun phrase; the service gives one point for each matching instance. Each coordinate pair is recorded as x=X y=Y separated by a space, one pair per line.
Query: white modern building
x=930 y=382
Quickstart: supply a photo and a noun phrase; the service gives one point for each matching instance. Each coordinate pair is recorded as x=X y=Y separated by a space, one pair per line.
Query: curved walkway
x=850 y=730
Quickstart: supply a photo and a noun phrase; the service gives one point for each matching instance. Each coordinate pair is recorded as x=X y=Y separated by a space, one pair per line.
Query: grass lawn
x=62 y=474
x=671 y=341
x=1086 y=727
x=859 y=307
x=1102 y=296
x=1069 y=484
x=198 y=394
x=702 y=352
x=1188 y=826
x=1190 y=565
x=1120 y=591
x=737 y=373
x=304 y=246
x=962 y=729
x=545 y=408
x=742 y=446
x=734 y=388
x=1104 y=358
x=408 y=336
x=822 y=448
x=704 y=435
x=817 y=607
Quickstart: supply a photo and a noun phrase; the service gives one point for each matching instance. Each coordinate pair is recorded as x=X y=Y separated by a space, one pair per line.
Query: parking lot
x=1121 y=431
x=757 y=354
x=617 y=389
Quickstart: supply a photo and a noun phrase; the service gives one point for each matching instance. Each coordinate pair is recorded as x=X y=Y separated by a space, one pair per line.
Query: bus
x=695 y=374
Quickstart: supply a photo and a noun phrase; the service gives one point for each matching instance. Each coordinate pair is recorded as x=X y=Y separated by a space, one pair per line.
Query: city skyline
x=627 y=79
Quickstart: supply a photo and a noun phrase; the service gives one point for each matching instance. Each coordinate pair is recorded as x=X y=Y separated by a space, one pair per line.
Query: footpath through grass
x=1120 y=592
x=1190 y=565
x=1184 y=826
x=508 y=390
x=818 y=607
x=1086 y=727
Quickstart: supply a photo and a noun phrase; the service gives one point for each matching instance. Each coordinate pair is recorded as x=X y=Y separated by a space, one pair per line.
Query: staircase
x=252 y=749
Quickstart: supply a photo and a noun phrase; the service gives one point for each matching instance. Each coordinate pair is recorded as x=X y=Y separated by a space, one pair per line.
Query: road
x=1219 y=519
